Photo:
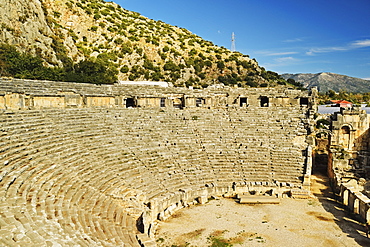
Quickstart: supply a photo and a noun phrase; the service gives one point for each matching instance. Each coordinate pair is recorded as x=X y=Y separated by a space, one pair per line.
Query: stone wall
x=349 y=159
x=81 y=166
x=28 y=94
x=348 y=141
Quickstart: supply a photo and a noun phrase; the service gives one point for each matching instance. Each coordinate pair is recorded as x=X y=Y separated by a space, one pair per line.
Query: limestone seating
x=47 y=87
x=41 y=195
x=56 y=172
x=69 y=195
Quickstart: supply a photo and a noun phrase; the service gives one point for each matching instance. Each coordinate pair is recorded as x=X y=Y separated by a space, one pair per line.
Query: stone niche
x=149 y=102
x=196 y=101
x=48 y=102
x=2 y=102
x=13 y=101
x=73 y=100
x=347 y=127
x=281 y=101
x=99 y=101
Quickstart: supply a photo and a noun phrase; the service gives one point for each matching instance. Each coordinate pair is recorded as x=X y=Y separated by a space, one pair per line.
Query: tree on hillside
x=295 y=83
x=93 y=71
x=25 y=66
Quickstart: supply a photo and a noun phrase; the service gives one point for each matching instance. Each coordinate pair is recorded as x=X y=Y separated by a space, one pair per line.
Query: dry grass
x=178 y=214
x=319 y=216
x=218 y=233
x=242 y=237
x=193 y=234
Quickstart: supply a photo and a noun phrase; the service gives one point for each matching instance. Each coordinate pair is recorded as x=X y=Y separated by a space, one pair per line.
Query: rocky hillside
x=330 y=81
x=64 y=32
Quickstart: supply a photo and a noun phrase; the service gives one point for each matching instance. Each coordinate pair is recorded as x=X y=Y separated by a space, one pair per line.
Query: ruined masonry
x=99 y=165
x=349 y=159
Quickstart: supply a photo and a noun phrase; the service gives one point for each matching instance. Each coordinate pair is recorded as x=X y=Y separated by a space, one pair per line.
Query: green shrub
x=252 y=83
x=220 y=65
x=124 y=69
x=93 y=71
x=105 y=12
x=94 y=28
x=25 y=66
x=157 y=76
x=171 y=66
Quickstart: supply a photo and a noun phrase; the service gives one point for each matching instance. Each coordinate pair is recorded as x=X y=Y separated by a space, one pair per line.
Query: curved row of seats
x=42 y=87
x=84 y=176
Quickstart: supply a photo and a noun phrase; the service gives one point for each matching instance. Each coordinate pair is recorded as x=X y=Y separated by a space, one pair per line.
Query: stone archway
x=345 y=136
x=264 y=101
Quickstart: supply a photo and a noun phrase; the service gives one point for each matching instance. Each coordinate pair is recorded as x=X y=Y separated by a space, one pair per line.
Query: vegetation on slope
x=102 y=36
x=26 y=66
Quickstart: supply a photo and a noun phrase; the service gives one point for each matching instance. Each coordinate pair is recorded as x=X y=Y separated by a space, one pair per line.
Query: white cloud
x=361 y=43
x=285 y=59
x=313 y=51
x=293 y=40
x=281 y=62
x=271 y=53
x=351 y=46
x=281 y=53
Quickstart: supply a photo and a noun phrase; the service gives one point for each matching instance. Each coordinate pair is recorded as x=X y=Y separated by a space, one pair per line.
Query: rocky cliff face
x=330 y=81
x=24 y=24
x=60 y=31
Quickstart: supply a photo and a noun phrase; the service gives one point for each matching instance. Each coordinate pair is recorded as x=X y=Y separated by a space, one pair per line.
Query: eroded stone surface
x=79 y=165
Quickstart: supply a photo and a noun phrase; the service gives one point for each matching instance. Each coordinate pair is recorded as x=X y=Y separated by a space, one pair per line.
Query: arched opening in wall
x=345 y=136
x=356 y=206
x=345 y=197
x=130 y=102
x=163 y=102
x=303 y=101
x=320 y=162
x=321 y=154
x=178 y=103
x=199 y=102
x=140 y=224
x=264 y=100
x=243 y=101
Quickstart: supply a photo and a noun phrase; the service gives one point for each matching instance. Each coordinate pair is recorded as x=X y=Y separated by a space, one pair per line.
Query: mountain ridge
x=326 y=81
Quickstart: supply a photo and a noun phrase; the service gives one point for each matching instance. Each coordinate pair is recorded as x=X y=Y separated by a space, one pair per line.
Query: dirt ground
x=318 y=221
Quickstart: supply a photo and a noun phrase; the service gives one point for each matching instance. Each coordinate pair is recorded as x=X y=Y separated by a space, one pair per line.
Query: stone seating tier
x=85 y=176
x=35 y=87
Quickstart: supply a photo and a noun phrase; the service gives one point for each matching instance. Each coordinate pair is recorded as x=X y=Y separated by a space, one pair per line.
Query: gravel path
x=318 y=221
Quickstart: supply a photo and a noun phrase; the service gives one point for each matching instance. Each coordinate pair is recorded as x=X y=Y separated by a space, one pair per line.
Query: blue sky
x=285 y=36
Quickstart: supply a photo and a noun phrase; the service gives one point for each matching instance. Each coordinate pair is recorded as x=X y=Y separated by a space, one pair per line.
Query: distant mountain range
x=329 y=81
